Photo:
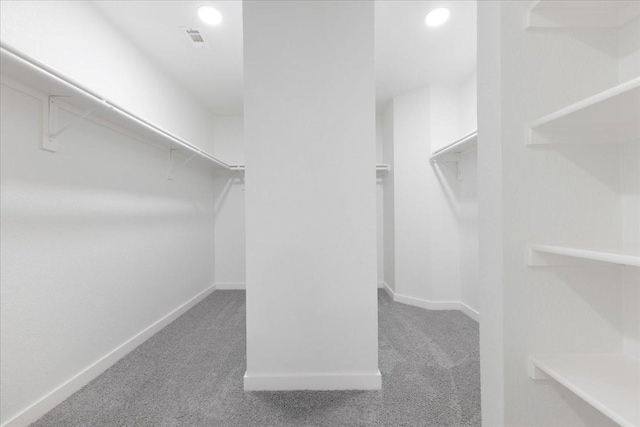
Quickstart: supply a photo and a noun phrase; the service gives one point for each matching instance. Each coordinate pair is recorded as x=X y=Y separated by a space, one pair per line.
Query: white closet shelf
x=452 y=151
x=549 y=255
x=42 y=79
x=610 y=116
x=383 y=168
x=610 y=382
x=581 y=14
x=380 y=168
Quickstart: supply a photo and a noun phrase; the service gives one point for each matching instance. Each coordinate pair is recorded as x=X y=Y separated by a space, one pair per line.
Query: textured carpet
x=190 y=374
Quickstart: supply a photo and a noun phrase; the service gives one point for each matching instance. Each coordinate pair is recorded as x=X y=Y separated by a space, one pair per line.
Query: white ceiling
x=408 y=54
x=212 y=75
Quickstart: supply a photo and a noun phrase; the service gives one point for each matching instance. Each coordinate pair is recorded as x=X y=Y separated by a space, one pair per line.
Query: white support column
x=309 y=108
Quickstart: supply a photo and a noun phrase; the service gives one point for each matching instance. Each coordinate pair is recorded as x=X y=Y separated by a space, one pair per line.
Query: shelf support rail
x=42 y=68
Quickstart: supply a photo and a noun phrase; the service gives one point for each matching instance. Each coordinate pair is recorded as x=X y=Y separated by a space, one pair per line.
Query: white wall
x=555 y=194
x=75 y=39
x=230 y=205
x=628 y=52
x=467 y=195
x=490 y=214
x=380 y=200
x=97 y=246
x=444 y=120
x=444 y=229
x=467 y=202
x=453 y=114
x=412 y=192
x=430 y=217
x=630 y=204
x=310 y=195
x=468 y=104
x=388 y=199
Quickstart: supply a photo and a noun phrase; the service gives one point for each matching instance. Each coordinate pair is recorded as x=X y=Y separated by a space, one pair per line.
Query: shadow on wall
x=223 y=185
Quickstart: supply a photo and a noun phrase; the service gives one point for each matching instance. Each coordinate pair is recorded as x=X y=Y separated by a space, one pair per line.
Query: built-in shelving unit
x=609 y=116
x=53 y=86
x=608 y=382
x=581 y=14
x=539 y=256
x=452 y=151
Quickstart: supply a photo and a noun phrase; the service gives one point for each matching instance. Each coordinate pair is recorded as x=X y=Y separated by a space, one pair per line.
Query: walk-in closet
x=320 y=213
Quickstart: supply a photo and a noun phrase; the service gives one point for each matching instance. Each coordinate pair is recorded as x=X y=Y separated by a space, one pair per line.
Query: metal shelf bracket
x=172 y=159
x=52 y=129
x=451 y=162
x=240 y=173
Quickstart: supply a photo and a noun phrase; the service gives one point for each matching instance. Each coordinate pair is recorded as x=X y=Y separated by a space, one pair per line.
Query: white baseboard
x=313 y=382
x=388 y=290
x=433 y=305
x=429 y=305
x=470 y=312
x=57 y=396
x=231 y=286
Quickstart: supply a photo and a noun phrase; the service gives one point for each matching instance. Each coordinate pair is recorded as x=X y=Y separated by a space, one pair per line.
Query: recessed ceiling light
x=437 y=17
x=209 y=15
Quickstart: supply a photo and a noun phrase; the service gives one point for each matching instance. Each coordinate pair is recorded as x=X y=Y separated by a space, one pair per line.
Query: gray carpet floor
x=190 y=374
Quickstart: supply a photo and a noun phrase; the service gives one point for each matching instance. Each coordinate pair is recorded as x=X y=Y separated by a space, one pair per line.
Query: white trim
x=424 y=303
x=313 y=382
x=57 y=396
x=433 y=305
x=389 y=291
x=472 y=313
x=229 y=286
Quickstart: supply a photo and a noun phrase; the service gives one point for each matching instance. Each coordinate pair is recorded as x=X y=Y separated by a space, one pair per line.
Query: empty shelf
x=452 y=151
x=538 y=252
x=581 y=14
x=38 y=77
x=609 y=382
x=610 y=116
x=382 y=169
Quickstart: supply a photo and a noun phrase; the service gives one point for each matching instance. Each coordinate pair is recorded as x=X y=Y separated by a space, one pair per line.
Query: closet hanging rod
x=28 y=61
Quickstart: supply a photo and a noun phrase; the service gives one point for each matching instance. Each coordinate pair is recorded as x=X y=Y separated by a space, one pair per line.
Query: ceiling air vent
x=196 y=37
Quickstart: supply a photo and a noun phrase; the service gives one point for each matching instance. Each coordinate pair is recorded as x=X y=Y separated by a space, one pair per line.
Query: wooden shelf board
x=610 y=382
x=538 y=255
x=609 y=116
x=581 y=14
